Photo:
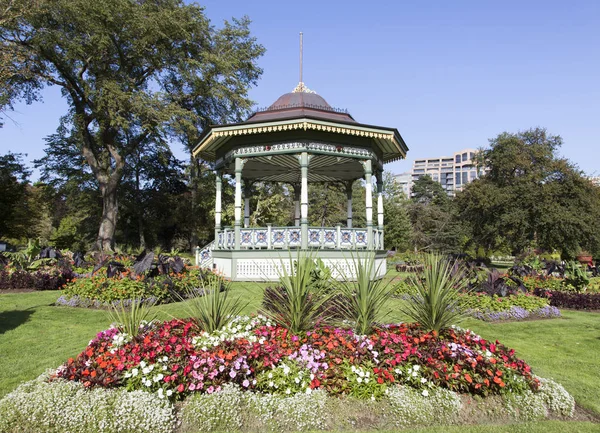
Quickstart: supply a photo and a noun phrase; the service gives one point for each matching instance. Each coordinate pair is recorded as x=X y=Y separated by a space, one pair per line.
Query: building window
x=465 y=157
x=465 y=177
x=457 y=178
x=472 y=155
x=473 y=175
x=457 y=160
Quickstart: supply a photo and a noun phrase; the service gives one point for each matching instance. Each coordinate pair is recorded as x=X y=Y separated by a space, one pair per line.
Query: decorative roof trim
x=248 y=129
x=301 y=88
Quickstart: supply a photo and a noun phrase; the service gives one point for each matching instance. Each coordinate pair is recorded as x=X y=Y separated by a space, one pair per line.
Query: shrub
x=46 y=279
x=104 y=289
x=485 y=303
x=576 y=301
x=436 y=305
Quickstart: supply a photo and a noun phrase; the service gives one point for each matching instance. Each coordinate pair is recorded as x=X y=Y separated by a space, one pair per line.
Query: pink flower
x=246 y=383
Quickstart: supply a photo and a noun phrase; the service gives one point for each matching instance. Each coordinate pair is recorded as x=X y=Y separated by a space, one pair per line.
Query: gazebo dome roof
x=301 y=102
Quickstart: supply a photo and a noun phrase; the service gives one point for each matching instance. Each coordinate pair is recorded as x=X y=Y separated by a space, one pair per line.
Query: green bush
x=483 y=302
x=104 y=289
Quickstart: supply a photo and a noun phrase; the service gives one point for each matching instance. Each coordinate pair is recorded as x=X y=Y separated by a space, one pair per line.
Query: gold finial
x=301 y=88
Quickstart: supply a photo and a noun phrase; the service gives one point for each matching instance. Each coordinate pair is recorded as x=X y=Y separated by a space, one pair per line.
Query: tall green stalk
x=436 y=305
x=298 y=305
x=130 y=320
x=363 y=298
x=210 y=304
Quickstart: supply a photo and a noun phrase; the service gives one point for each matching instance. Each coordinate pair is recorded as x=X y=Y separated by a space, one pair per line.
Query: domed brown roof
x=303 y=103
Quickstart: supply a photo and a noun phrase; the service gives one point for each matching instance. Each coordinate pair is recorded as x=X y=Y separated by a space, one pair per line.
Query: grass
x=35 y=336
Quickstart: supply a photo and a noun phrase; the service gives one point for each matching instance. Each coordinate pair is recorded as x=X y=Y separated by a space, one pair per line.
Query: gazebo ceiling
x=301 y=115
x=285 y=168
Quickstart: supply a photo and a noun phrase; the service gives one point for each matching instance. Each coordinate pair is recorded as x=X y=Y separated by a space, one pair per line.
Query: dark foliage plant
x=575 y=301
x=498 y=284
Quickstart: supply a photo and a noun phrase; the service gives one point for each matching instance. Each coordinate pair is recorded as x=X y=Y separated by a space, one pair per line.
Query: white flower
x=359 y=379
x=373 y=397
x=423 y=380
x=142 y=364
x=288 y=391
x=414 y=374
x=416 y=367
x=308 y=390
x=425 y=393
x=145 y=370
x=270 y=375
x=134 y=372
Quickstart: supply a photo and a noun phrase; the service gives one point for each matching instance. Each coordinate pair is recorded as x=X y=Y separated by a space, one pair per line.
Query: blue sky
x=446 y=74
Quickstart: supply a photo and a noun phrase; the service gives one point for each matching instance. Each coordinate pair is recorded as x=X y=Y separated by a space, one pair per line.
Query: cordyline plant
x=436 y=305
x=210 y=304
x=364 y=297
x=298 y=304
x=131 y=318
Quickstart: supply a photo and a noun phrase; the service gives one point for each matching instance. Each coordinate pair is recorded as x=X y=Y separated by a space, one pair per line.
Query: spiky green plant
x=436 y=304
x=130 y=319
x=211 y=305
x=363 y=297
x=298 y=304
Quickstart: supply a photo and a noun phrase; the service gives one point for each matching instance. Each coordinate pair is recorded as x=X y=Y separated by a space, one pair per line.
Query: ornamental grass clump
x=363 y=299
x=436 y=305
x=298 y=304
x=131 y=317
x=211 y=305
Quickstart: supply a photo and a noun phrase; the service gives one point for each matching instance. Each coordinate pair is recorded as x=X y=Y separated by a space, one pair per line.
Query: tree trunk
x=108 y=223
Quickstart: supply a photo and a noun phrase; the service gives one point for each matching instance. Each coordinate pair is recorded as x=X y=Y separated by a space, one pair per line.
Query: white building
x=405 y=181
x=453 y=172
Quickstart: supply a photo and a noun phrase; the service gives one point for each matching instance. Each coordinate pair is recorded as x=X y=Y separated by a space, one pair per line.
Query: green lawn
x=34 y=336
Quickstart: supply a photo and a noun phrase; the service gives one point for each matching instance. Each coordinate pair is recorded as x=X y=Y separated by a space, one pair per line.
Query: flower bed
x=43 y=279
x=99 y=290
x=254 y=375
x=513 y=307
x=576 y=301
x=175 y=360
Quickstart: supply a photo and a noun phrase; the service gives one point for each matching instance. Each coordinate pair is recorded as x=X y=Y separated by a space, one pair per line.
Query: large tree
x=531 y=197
x=115 y=61
x=13 y=193
x=433 y=217
x=397 y=224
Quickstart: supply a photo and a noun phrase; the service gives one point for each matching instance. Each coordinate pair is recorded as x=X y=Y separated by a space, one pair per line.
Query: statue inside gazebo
x=298 y=140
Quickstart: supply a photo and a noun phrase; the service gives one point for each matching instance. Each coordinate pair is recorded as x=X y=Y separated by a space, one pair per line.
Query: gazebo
x=297 y=140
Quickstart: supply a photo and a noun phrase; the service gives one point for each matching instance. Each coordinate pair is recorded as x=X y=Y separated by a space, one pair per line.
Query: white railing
x=272 y=238
x=204 y=255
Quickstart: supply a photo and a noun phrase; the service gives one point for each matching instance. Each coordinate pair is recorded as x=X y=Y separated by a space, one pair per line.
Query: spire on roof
x=301 y=88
